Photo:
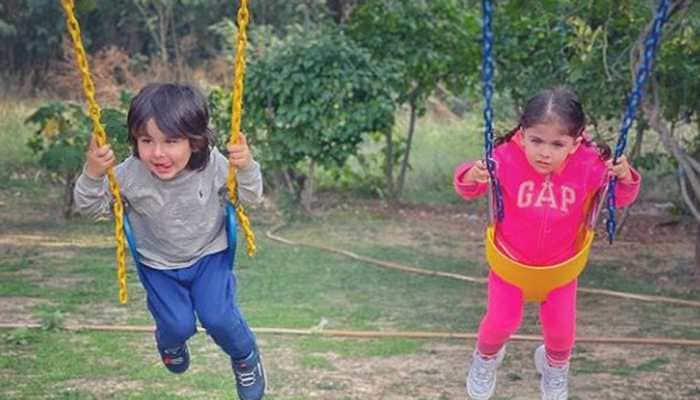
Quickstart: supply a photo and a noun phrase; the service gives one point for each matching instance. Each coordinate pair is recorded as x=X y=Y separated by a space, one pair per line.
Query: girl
x=548 y=169
x=174 y=185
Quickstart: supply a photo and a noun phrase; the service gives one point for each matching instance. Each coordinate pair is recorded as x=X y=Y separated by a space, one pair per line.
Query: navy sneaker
x=176 y=359
x=250 y=376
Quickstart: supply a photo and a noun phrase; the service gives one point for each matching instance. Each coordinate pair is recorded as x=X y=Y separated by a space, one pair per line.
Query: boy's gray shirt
x=174 y=222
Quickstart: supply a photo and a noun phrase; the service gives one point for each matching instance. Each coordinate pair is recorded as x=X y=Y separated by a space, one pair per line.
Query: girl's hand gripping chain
x=621 y=170
x=478 y=173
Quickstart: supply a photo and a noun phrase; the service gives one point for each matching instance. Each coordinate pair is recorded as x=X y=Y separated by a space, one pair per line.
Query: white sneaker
x=481 y=379
x=554 y=381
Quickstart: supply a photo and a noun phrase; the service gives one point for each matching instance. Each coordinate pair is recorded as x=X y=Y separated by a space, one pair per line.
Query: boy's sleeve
x=92 y=196
x=250 y=183
x=467 y=190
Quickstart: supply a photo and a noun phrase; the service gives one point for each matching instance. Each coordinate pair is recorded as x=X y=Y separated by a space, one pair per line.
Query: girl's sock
x=488 y=352
x=558 y=359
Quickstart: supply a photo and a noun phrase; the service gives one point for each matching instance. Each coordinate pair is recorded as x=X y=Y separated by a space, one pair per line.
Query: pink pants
x=504 y=313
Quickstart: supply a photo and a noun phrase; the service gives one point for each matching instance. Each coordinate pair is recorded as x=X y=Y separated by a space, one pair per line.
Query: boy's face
x=546 y=146
x=164 y=156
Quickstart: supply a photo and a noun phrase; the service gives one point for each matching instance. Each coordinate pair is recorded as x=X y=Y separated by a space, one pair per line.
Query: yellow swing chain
x=236 y=111
x=100 y=136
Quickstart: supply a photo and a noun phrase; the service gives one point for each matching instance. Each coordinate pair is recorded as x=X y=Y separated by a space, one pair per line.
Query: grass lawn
x=57 y=272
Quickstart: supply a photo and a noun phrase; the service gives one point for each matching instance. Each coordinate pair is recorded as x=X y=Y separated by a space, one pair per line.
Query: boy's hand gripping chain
x=236 y=110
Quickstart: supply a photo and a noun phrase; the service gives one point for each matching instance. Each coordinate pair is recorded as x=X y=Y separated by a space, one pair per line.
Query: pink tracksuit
x=543 y=215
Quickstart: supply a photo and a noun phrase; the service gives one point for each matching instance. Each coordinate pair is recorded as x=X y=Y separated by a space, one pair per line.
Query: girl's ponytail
x=603 y=149
x=506 y=138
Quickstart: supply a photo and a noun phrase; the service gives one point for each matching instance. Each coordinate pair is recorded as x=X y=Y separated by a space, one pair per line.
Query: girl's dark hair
x=178 y=111
x=559 y=105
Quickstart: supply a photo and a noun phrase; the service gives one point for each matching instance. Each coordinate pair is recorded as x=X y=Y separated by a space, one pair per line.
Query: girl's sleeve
x=626 y=193
x=467 y=190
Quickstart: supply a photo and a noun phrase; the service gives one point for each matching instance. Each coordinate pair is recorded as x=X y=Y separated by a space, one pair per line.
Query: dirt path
x=437 y=372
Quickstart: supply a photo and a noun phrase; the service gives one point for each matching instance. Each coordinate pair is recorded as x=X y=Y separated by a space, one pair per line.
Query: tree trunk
x=10 y=61
x=637 y=146
x=68 y=185
x=307 y=9
x=162 y=11
x=156 y=35
x=176 y=46
x=307 y=190
x=689 y=167
x=696 y=271
x=335 y=8
x=340 y=9
x=389 y=156
x=634 y=154
x=409 y=141
x=288 y=182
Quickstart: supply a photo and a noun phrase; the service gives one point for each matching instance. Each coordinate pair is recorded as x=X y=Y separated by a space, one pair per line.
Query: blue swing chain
x=643 y=72
x=487 y=80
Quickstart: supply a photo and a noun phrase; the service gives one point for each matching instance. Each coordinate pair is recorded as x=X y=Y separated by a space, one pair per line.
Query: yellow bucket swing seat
x=537 y=281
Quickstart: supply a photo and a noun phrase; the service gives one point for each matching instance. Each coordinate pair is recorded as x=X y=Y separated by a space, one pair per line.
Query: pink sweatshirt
x=543 y=213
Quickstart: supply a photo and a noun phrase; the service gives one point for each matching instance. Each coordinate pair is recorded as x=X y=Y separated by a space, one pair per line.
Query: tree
x=583 y=45
x=309 y=101
x=672 y=103
x=177 y=34
x=426 y=44
x=29 y=36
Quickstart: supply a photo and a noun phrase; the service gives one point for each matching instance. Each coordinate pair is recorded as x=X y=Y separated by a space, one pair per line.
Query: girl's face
x=547 y=145
x=164 y=156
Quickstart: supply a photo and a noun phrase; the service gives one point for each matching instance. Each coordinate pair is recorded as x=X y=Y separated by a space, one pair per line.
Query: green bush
x=309 y=103
x=62 y=136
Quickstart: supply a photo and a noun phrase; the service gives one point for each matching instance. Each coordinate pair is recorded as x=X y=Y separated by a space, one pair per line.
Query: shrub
x=63 y=134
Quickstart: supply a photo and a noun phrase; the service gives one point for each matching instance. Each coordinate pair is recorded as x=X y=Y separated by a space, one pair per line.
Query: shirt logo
x=545 y=196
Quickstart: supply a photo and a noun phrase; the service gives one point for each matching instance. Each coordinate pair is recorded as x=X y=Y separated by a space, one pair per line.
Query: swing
x=230 y=223
x=122 y=227
x=537 y=281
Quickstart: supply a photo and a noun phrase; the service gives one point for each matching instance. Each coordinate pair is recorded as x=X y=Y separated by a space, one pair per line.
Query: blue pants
x=207 y=288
